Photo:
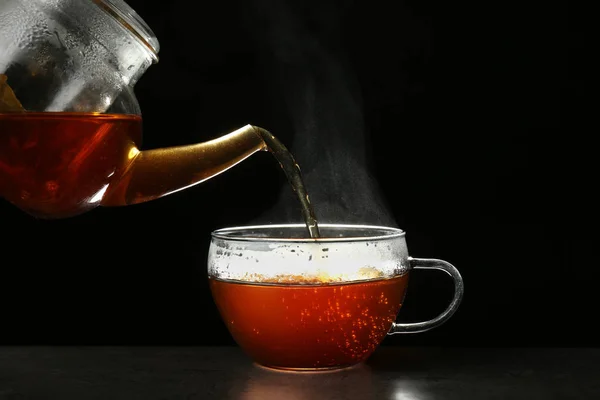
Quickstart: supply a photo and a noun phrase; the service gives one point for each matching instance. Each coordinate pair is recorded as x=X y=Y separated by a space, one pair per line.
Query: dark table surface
x=396 y=373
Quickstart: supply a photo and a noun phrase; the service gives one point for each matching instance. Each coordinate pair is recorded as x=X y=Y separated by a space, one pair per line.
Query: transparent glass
x=70 y=123
x=73 y=55
x=296 y=303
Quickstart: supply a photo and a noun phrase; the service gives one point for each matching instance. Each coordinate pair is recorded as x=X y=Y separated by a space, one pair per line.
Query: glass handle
x=429 y=263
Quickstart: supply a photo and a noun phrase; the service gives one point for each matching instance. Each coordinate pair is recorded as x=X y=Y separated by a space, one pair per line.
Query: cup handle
x=429 y=263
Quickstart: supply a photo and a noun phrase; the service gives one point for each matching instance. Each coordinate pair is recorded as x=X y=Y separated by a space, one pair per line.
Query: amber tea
x=304 y=323
x=60 y=164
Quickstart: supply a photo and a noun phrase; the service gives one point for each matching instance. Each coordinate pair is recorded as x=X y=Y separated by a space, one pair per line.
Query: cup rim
x=229 y=233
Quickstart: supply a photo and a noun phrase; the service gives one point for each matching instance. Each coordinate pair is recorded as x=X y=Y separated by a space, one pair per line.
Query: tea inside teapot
x=54 y=164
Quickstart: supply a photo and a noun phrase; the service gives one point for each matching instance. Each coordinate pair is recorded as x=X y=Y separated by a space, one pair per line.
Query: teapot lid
x=127 y=16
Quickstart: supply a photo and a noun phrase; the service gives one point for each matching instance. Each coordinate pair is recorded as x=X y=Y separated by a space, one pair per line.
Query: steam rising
x=309 y=72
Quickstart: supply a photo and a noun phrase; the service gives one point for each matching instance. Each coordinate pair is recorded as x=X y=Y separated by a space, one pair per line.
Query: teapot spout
x=159 y=172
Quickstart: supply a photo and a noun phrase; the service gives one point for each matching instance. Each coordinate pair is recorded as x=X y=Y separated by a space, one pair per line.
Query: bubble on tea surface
x=321 y=277
x=8 y=100
x=288 y=279
x=370 y=273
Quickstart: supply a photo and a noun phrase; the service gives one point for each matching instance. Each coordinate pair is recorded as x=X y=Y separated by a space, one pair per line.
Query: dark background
x=475 y=122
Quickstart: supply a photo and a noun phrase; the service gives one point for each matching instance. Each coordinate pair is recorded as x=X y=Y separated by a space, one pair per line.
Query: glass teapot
x=70 y=124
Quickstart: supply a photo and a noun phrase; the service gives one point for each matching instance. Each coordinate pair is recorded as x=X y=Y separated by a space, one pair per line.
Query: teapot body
x=70 y=124
x=71 y=66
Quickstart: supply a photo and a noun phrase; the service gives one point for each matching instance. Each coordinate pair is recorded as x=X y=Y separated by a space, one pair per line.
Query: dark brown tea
x=307 y=324
x=57 y=165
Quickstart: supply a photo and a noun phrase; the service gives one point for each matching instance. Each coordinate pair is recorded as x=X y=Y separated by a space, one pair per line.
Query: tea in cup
x=305 y=304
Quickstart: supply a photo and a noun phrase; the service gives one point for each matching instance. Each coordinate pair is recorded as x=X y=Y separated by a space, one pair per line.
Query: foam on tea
x=320 y=278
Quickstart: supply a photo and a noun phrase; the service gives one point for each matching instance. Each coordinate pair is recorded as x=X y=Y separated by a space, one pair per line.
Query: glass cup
x=295 y=303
